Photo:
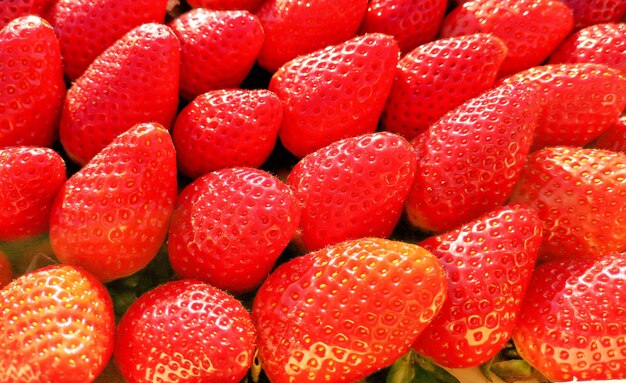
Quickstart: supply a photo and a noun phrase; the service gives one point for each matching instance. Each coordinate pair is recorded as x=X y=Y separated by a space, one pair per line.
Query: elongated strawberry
x=227 y=5
x=112 y=216
x=343 y=312
x=133 y=81
x=591 y=12
x=6 y=270
x=56 y=325
x=19 y=8
x=613 y=138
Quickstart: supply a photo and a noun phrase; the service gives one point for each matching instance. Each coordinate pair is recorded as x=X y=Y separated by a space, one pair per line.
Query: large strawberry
x=6 y=270
x=590 y=12
x=227 y=5
x=112 y=216
x=343 y=312
x=613 y=138
x=56 y=325
x=335 y=93
x=31 y=83
x=133 y=81
x=13 y=9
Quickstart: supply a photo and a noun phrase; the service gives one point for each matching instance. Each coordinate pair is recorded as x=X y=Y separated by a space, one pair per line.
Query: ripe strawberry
x=343 y=312
x=530 y=29
x=185 y=331
x=294 y=27
x=13 y=9
x=590 y=12
x=614 y=138
x=30 y=178
x=439 y=76
x=31 y=83
x=571 y=326
x=56 y=325
x=6 y=270
x=133 y=81
x=226 y=5
x=580 y=195
x=87 y=27
x=489 y=263
x=111 y=217
x=230 y=226
x=335 y=93
x=218 y=49
x=469 y=160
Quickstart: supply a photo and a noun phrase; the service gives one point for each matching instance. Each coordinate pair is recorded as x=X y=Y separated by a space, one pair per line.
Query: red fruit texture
x=571 y=325
x=56 y=325
x=295 y=27
x=531 y=29
x=13 y=9
x=227 y=5
x=112 y=216
x=590 y=12
x=439 y=76
x=230 y=226
x=335 y=93
x=30 y=178
x=218 y=49
x=6 y=270
x=348 y=310
x=86 y=28
x=614 y=138
x=31 y=83
x=134 y=81
x=183 y=332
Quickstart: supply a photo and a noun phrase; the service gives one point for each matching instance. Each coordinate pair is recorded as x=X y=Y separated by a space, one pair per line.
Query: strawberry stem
x=415 y=368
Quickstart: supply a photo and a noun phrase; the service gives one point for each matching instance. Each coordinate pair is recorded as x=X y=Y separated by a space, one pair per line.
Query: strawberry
x=579 y=194
x=530 y=29
x=469 y=160
x=411 y=22
x=590 y=12
x=31 y=83
x=571 y=325
x=226 y=5
x=112 y=216
x=295 y=27
x=439 y=76
x=30 y=178
x=87 y=27
x=185 y=331
x=56 y=325
x=19 y=8
x=614 y=138
x=6 y=270
x=489 y=263
x=345 y=311
x=133 y=81
x=335 y=93
x=230 y=226
x=218 y=49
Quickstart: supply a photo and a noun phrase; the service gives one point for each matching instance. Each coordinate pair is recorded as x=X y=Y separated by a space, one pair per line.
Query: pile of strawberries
x=318 y=189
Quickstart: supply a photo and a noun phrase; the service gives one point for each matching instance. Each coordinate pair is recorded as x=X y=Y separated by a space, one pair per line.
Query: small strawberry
x=614 y=138
x=590 y=12
x=185 y=331
x=112 y=216
x=30 y=178
x=13 y=9
x=6 y=270
x=56 y=325
x=133 y=81
x=227 y=5
x=343 y=312
x=335 y=93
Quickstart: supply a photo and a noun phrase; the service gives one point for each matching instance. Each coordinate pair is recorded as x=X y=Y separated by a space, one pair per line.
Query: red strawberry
x=469 y=160
x=437 y=77
x=614 y=138
x=335 y=93
x=248 y=5
x=56 y=325
x=590 y=12
x=580 y=195
x=530 y=29
x=230 y=226
x=489 y=263
x=294 y=27
x=343 y=312
x=87 y=27
x=571 y=326
x=13 y=9
x=6 y=271
x=185 y=331
x=112 y=216
x=29 y=180
x=218 y=49
x=31 y=83
x=411 y=22
x=133 y=81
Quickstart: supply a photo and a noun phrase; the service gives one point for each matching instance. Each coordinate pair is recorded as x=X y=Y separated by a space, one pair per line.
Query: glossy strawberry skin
x=185 y=332
x=571 y=325
x=346 y=311
x=31 y=83
x=134 y=81
x=6 y=270
x=56 y=325
x=31 y=177
x=112 y=216
x=19 y=8
x=439 y=76
x=614 y=138
x=321 y=89
x=227 y=5
x=230 y=226
x=591 y=12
